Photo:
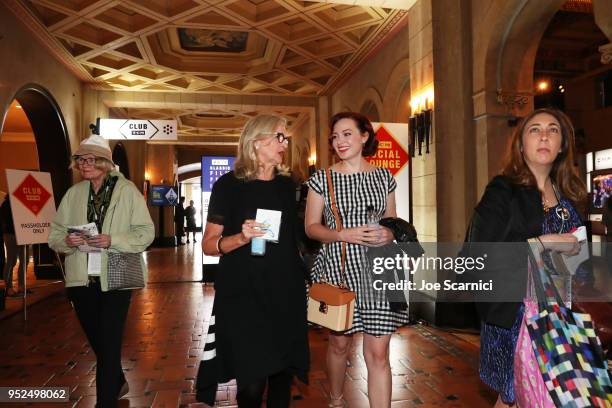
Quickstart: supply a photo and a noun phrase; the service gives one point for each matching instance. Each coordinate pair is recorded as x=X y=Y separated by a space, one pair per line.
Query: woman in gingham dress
x=362 y=192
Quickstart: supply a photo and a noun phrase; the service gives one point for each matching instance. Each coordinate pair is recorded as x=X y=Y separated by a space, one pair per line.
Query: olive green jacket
x=127 y=221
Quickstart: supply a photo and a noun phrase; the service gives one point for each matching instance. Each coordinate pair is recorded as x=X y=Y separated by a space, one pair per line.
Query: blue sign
x=162 y=196
x=214 y=167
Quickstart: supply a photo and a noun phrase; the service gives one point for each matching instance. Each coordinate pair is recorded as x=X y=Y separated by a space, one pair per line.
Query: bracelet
x=219 y=245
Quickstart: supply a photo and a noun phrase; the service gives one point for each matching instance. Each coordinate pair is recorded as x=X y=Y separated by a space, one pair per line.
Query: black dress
x=260 y=302
x=190 y=213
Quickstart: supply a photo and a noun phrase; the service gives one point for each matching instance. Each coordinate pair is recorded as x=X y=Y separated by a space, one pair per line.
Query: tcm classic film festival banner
x=213 y=167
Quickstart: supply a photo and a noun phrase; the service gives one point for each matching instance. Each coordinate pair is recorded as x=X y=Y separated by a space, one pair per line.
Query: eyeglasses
x=280 y=136
x=82 y=160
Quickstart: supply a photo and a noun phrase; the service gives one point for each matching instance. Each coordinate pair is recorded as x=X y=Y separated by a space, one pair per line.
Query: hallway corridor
x=164 y=340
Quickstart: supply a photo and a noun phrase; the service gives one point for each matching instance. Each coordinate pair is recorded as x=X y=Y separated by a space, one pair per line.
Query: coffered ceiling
x=254 y=47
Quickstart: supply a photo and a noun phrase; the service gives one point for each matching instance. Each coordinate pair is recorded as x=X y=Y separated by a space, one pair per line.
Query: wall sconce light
x=147 y=176
x=422 y=101
x=543 y=85
x=420 y=122
x=312 y=160
x=427 y=115
x=412 y=128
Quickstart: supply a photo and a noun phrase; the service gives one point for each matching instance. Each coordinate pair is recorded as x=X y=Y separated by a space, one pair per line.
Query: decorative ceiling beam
x=392 y=4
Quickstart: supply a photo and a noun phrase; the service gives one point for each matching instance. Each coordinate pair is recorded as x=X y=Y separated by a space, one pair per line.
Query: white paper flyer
x=272 y=221
x=87 y=231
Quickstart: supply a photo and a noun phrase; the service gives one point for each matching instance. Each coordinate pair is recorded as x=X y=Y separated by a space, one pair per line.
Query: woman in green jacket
x=119 y=212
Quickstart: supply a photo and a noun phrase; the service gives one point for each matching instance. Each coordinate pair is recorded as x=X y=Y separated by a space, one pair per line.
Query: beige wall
x=380 y=81
x=17 y=155
x=323 y=113
x=136 y=151
x=24 y=61
x=303 y=145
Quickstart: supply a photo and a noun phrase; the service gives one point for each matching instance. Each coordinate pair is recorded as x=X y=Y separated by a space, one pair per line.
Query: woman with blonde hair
x=260 y=301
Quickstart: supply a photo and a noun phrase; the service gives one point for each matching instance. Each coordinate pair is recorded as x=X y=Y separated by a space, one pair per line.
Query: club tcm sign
x=138 y=129
x=32 y=205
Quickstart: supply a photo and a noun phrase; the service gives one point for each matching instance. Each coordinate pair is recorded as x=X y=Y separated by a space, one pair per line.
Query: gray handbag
x=124 y=271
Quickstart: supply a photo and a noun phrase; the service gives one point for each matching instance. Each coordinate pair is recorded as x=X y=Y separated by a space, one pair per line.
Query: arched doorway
x=505 y=53
x=370 y=110
x=504 y=56
x=120 y=159
x=569 y=75
x=371 y=105
x=50 y=134
x=48 y=128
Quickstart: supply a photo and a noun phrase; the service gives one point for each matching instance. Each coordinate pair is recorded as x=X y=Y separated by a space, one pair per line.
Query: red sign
x=32 y=194
x=390 y=154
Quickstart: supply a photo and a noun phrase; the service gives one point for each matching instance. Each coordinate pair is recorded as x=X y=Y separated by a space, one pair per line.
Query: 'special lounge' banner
x=392 y=154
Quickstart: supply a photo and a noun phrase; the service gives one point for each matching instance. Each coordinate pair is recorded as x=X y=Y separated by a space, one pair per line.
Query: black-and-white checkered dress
x=354 y=194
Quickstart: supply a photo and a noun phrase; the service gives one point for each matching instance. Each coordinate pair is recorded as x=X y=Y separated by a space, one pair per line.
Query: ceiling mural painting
x=197 y=39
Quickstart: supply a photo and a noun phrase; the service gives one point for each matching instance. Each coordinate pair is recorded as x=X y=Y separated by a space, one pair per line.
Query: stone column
x=603 y=19
x=323 y=109
x=424 y=171
x=443 y=180
x=160 y=169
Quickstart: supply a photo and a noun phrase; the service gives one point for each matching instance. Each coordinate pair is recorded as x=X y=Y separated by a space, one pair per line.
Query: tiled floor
x=38 y=289
x=164 y=342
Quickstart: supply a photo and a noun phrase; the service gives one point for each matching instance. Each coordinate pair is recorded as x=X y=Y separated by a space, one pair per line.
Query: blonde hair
x=247 y=165
x=101 y=164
